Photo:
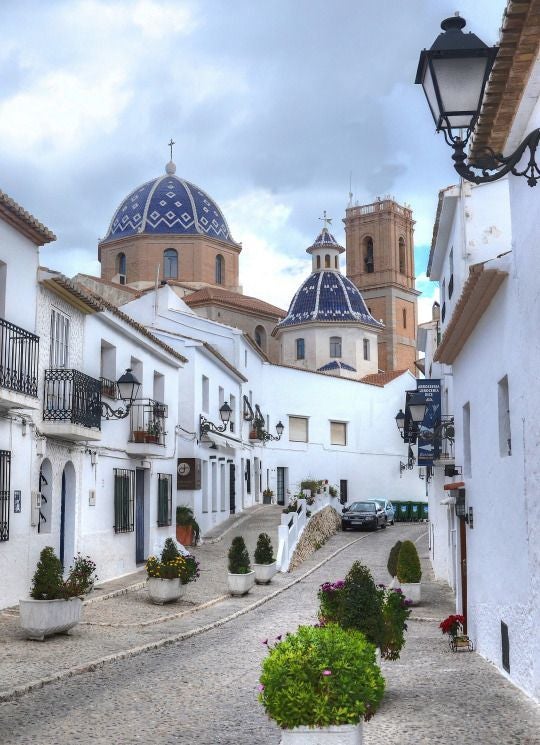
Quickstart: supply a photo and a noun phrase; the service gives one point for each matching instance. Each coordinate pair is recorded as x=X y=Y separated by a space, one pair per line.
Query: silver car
x=388 y=508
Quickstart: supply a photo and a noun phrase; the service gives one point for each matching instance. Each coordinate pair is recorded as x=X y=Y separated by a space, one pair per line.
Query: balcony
x=72 y=405
x=147 y=428
x=19 y=355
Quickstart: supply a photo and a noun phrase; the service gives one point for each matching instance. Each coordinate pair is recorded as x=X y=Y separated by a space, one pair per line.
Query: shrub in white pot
x=241 y=577
x=391 y=564
x=265 y=562
x=55 y=606
x=409 y=572
x=169 y=575
x=319 y=684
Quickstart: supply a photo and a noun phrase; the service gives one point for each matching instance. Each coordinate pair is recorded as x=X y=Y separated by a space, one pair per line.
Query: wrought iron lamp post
x=264 y=436
x=206 y=426
x=454 y=73
x=128 y=388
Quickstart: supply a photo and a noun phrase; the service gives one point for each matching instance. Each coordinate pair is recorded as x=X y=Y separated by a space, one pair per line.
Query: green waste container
x=425 y=511
x=402 y=512
x=415 y=512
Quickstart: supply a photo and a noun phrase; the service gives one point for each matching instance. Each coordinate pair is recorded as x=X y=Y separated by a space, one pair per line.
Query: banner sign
x=429 y=445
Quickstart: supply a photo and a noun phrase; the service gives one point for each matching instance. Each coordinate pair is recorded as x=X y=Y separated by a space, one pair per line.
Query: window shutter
x=298 y=429
x=338 y=433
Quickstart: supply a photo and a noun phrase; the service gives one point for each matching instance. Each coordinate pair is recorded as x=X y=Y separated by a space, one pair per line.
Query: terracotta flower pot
x=184 y=535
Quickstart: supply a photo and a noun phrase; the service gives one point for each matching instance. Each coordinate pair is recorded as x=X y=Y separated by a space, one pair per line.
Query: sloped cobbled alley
x=203 y=690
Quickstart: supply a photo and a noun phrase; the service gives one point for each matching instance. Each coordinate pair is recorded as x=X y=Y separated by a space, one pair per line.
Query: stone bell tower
x=380 y=262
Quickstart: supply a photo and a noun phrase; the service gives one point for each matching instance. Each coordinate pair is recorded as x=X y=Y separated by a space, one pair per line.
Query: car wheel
x=384 y=524
x=392 y=522
x=343 y=527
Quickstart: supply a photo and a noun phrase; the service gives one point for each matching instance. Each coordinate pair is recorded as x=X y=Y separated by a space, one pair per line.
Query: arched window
x=327 y=261
x=404 y=312
x=336 y=262
x=318 y=262
x=335 y=346
x=121 y=264
x=260 y=337
x=300 y=349
x=368 y=255
x=170 y=264
x=402 y=256
x=220 y=269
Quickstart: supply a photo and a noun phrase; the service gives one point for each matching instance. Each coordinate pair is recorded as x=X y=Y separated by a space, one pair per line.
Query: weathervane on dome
x=327 y=220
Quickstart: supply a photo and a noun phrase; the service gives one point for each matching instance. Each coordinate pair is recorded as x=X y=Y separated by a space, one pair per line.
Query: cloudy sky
x=275 y=106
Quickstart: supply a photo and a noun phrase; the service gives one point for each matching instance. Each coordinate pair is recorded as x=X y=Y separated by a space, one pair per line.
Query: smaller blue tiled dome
x=336 y=365
x=325 y=240
x=330 y=297
x=169 y=205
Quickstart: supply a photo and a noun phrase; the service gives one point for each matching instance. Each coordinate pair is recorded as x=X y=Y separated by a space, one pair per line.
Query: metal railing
x=72 y=396
x=109 y=388
x=147 y=421
x=19 y=355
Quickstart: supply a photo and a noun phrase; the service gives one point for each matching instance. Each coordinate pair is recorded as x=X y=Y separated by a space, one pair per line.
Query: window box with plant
x=409 y=572
x=169 y=575
x=319 y=684
x=265 y=562
x=241 y=577
x=56 y=604
x=187 y=527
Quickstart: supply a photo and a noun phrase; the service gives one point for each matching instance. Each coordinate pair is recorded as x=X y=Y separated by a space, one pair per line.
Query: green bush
x=264 y=553
x=396 y=611
x=185 y=517
x=321 y=676
x=408 y=566
x=362 y=604
x=47 y=582
x=170 y=551
x=393 y=559
x=238 y=557
x=312 y=484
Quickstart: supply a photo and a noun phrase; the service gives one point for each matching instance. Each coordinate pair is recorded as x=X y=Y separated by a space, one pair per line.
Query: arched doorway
x=67 y=515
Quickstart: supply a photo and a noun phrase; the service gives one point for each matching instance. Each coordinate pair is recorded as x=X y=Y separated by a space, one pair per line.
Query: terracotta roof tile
x=383 y=378
x=227 y=297
x=23 y=220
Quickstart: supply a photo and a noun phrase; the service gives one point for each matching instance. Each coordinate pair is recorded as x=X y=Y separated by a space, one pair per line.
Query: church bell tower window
x=327 y=261
x=220 y=269
x=368 y=255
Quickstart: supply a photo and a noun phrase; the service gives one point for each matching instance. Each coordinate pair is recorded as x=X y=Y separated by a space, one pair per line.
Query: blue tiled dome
x=325 y=240
x=169 y=205
x=328 y=296
x=336 y=365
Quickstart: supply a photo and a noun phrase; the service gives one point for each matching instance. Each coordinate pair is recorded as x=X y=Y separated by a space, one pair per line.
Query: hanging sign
x=429 y=443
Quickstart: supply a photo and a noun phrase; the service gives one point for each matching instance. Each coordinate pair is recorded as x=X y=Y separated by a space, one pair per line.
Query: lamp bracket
x=206 y=426
x=107 y=412
x=488 y=160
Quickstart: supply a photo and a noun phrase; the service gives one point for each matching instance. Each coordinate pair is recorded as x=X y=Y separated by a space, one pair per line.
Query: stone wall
x=321 y=526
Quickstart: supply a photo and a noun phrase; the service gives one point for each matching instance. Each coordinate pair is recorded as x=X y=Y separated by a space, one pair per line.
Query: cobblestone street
x=202 y=689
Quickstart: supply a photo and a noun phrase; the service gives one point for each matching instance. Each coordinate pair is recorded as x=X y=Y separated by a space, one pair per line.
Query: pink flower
x=327 y=672
x=260 y=688
x=265 y=642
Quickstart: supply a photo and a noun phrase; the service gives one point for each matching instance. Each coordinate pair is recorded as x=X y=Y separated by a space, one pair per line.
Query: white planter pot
x=240 y=584
x=411 y=590
x=264 y=572
x=378 y=656
x=342 y=734
x=164 y=590
x=394 y=584
x=41 y=618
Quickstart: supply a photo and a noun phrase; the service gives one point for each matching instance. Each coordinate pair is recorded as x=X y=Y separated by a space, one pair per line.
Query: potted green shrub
x=187 y=528
x=391 y=564
x=265 y=562
x=241 y=577
x=168 y=575
x=409 y=572
x=319 y=684
x=56 y=604
x=267 y=496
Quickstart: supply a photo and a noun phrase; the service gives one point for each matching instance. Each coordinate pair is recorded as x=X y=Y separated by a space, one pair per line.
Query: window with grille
x=164 y=499
x=338 y=433
x=300 y=349
x=298 y=429
x=124 y=494
x=335 y=346
x=59 y=339
x=5 y=477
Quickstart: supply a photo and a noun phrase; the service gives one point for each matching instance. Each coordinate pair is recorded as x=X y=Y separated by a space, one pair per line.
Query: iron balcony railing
x=72 y=396
x=147 y=419
x=109 y=388
x=19 y=355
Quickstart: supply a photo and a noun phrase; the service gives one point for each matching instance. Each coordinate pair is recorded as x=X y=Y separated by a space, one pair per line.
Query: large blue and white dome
x=169 y=205
x=330 y=297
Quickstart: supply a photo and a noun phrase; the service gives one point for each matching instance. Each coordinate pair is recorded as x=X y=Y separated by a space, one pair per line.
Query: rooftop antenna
x=156 y=292
x=350 y=190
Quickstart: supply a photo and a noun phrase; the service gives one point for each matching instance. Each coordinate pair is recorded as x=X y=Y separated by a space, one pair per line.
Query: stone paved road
x=203 y=690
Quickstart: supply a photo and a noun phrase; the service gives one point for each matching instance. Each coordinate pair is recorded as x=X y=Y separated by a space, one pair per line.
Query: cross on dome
x=327 y=220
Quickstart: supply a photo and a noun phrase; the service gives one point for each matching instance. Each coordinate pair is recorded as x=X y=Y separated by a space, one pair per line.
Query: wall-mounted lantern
x=128 y=388
x=206 y=426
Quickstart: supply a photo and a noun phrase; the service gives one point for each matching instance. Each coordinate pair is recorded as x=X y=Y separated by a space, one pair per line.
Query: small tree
x=238 y=557
x=362 y=607
x=47 y=582
x=408 y=566
x=393 y=559
x=264 y=553
x=170 y=551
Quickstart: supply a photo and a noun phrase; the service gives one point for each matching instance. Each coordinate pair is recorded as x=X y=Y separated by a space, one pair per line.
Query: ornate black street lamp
x=411 y=460
x=128 y=387
x=264 y=436
x=206 y=426
x=453 y=74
